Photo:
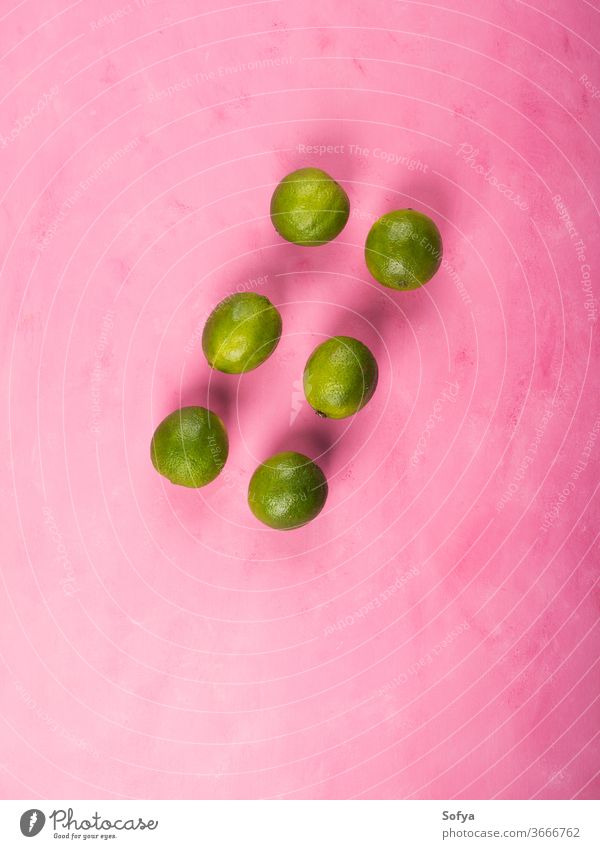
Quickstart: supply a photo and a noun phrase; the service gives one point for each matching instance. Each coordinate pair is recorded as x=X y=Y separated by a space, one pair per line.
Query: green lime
x=287 y=491
x=190 y=446
x=308 y=207
x=241 y=332
x=403 y=249
x=340 y=377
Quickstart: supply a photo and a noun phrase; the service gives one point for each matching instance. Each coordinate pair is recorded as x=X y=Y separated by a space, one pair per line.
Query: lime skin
x=309 y=208
x=241 y=333
x=190 y=446
x=340 y=377
x=403 y=249
x=287 y=491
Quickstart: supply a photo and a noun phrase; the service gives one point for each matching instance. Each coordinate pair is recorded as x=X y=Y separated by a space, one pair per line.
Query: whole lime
x=403 y=249
x=190 y=446
x=308 y=207
x=241 y=332
x=340 y=377
x=287 y=491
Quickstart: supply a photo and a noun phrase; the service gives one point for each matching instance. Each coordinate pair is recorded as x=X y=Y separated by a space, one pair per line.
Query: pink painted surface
x=435 y=632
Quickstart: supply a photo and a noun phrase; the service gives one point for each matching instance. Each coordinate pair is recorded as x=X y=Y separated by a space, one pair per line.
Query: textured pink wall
x=435 y=632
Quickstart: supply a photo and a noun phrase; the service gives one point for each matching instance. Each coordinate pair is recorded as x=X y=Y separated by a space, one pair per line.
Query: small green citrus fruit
x=241 y=333
x=340 y=377
x=309 y=208
x=190 y=446
x=287 y=491
x=403 y=249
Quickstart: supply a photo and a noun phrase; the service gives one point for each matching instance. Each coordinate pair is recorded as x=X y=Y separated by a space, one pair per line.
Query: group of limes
x=403 y=251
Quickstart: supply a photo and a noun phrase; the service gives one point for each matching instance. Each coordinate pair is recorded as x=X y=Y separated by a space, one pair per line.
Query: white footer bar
x=302 y=824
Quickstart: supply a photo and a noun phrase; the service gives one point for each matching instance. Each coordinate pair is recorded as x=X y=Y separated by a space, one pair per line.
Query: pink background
x=434 y=633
